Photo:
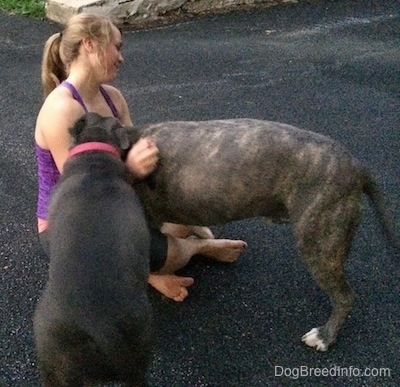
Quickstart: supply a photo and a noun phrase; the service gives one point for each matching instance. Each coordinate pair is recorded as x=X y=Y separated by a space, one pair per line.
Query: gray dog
x=93 y=321
x=214 y=172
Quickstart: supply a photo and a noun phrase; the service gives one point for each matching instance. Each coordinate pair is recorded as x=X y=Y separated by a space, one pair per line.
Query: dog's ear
x=123 y=138
x=133 y=133
x=77 y=128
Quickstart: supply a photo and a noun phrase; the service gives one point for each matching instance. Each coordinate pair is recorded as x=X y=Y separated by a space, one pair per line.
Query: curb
x=144 y=12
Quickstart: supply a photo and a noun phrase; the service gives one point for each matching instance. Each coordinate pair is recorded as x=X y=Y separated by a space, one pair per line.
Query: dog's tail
x=374 y=193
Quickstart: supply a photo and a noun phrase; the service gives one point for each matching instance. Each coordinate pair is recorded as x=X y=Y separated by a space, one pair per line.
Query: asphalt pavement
x=328 y=66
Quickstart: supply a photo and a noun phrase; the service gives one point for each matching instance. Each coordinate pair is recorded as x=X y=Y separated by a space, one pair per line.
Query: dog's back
x=93 y=322
x=237 y=169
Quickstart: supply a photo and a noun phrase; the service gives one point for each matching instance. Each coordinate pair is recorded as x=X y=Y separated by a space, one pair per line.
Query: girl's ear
x=88 y=44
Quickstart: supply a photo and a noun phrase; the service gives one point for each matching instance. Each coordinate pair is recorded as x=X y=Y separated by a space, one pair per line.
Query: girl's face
x=113 y=56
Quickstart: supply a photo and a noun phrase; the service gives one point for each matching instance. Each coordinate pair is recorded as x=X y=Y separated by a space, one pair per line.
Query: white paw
x=312 y=340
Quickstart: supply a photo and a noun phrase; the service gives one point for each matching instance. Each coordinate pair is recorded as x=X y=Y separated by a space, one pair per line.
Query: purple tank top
x=78 y=98
x=48 y=174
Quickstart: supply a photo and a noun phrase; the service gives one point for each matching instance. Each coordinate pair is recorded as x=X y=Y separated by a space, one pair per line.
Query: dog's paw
x=313 y=339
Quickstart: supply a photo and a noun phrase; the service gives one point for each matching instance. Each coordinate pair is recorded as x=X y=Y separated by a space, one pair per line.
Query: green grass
x=33 y=8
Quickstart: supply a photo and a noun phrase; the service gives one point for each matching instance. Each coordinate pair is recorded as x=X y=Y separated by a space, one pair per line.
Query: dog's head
x=92 y=127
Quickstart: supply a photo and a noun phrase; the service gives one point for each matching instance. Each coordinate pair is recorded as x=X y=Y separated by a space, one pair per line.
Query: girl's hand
x=142 y=158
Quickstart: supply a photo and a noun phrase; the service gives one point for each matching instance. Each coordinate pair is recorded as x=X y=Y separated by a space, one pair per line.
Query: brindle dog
x=214 y=172
x=93 y=321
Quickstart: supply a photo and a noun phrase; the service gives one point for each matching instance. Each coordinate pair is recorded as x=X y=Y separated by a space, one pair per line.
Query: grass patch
x=33 y=8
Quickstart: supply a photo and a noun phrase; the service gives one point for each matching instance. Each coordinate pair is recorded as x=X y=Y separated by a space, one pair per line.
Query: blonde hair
x=62 y=48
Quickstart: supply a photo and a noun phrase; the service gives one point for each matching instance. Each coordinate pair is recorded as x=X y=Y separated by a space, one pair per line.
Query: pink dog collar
x=94 y=146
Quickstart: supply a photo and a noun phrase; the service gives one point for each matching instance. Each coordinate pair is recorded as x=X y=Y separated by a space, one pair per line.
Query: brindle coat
x=213 y=172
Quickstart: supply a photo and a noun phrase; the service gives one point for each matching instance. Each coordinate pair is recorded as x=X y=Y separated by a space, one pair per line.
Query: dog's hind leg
x=61 y=377
x=324 y=240
x=60 y=361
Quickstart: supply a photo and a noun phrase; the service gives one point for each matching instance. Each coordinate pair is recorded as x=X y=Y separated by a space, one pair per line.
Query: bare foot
x=181 y=231
x=222 y=250
x=202 y=232
x=181 y=250
x=171 y=285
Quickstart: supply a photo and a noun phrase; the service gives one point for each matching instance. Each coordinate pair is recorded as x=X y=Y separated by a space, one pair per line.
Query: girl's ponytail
x=53 y=69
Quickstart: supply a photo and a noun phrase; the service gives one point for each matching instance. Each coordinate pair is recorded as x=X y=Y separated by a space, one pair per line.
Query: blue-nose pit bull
x=93 y=321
